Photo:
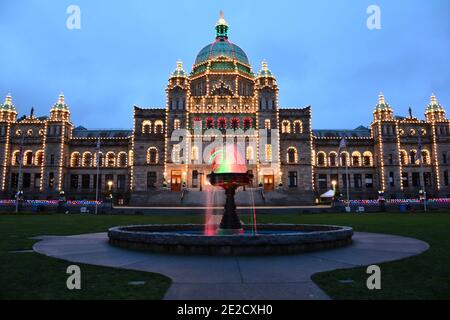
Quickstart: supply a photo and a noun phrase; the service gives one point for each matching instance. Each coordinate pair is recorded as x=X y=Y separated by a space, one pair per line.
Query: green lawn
x=426 y=276
x=32 y=276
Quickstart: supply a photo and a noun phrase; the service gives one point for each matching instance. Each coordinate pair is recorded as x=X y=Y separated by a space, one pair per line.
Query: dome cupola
x=434 y=111
x=383 y=110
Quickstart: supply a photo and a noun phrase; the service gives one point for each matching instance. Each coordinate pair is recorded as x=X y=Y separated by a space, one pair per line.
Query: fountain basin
x=272 y=239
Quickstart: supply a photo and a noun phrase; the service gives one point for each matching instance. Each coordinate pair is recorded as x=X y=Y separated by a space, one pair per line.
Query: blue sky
x=321 y=52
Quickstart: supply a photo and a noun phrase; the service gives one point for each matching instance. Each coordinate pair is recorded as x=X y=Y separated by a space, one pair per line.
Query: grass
x=426 y=276
x=32 y=276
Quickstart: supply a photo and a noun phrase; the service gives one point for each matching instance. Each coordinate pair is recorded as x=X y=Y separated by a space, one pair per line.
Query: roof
x=82 y=132
x=360 y=132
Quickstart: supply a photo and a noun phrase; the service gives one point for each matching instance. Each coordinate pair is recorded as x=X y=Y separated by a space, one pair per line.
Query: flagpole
x=343 y=145
x=422 y=174
x=347 y=179
x=97 y=180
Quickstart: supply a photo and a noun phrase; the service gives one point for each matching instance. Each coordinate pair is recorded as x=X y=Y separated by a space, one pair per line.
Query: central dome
x=222 y=47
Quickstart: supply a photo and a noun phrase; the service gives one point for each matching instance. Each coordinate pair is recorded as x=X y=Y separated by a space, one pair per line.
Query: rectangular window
x=369 y=181
x=344 y=180
x=37 y=180
x=444 y=158
x=446 y=178
x=86 y=181
x=292 y=179
x=151 y=179
x=109 y=179
x=51 y=180
x=405 y=180
x=358 y=180
x=416 y=179
x=391 y=159
x=391 y=179
x=26 y=183
x=74 y=181
x=52 y=159
x=99 y=181
x=323 y=184
x=121 y=182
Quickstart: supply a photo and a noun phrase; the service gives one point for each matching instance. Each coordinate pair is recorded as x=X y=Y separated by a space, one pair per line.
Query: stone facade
x=146 y=165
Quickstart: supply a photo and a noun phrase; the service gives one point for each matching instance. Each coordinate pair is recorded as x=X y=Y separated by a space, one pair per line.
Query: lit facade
x=396 y=155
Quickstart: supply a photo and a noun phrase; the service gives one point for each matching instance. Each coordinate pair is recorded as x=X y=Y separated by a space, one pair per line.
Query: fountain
x=231 y=237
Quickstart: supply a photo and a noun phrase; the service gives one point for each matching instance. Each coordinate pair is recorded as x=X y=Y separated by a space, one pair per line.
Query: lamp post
x=333 y=183
x=110 y=184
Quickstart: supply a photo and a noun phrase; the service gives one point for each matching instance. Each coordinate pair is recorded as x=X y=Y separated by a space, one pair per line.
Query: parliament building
x=399 y=156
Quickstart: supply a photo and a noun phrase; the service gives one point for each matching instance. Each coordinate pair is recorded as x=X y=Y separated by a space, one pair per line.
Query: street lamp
x=110 y=184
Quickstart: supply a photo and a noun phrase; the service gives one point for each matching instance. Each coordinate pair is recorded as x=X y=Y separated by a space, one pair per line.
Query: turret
x=8 y=110
x=60 y=110
x=434 y=111
x=383 y=111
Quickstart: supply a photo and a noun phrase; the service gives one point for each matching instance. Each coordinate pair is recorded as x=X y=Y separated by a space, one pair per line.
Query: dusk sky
x=321 y=52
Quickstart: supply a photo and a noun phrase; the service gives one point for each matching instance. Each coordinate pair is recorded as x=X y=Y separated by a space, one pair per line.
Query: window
x=122 y=159
x=37 y=180
x=151 y=179
x=405 y=180
x=285 y=126
x=121 y=182
x=28 y=158
x=158 y=127
x=412 y=157
x=292 y=179
x=26 y=183
x=194 y=153
x=110 y=159
x=99 y=181
x=176 y=124
x=321 y=161
x=75 y=160
x=369 y=181
x=323 y=184
x=52 y=159
x=357 y=180
x=176 y=154
x=444 y=158
x=403 y=157
x=146 y=127
x=298 y=126
x=152 y=155
x=391 y=179
x=356 y=159
x=367 y=159
x=86 y=181
x=267 y=125
x=416 y=179
x=87 y=159
x=344 y=180
x=39 y=158
x=391 y=158
x=446 y=178
x=333 y=158
x=73 y=181
x=292 y=155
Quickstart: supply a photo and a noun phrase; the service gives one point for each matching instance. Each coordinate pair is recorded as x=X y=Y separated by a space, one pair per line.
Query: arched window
x=197 y=123
x=321 y=159
x=413 y=157
x=356 y=159
x=286 y=126
x=152 y=155
x=209 y=123
x=75 y=159
x=176 y=154
x=15 y=158
x=110 y=159
x=426 y=157
x=87 y=159
x=403 y=157
x=235 y=123
x=222 y=123
x=39 y=161
x=345 y=159
x=267 y=124
x=159 y=126
x=298 y=126
x=268 y=153
x=146 y=126
x=292 y=156
x=367 y=159
x=333 y=159
x=122 y=159
x=28 y=158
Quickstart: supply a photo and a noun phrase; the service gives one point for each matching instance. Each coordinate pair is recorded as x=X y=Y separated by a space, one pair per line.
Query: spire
x=8 y=104
x=381 y=99
x=434 y=104
x=179 y=71
x=222 y=28
x=61 y=104
x=265 y=72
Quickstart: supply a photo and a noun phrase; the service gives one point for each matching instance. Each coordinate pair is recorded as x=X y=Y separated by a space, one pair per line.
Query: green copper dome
x=222 y=48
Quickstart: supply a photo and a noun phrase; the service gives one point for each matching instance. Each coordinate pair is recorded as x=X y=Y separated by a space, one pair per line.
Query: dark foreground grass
x=34 y=276
x=426 y=276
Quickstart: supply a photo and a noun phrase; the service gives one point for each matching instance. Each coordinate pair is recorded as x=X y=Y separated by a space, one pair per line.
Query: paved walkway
x=239 y=278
